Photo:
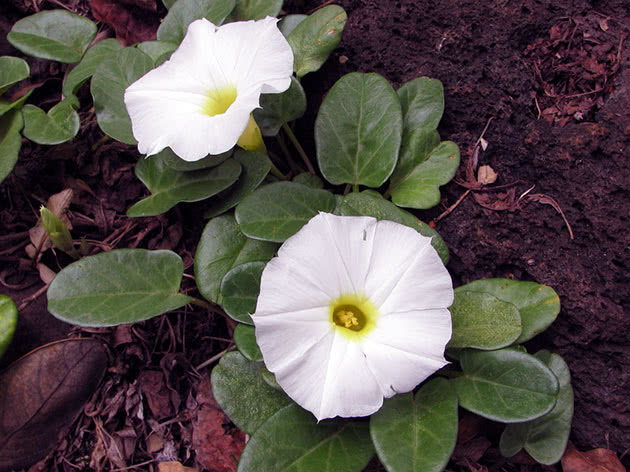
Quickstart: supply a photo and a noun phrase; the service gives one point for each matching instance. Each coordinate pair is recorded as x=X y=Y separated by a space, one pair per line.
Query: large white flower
x=353 y=310
x=199 y=101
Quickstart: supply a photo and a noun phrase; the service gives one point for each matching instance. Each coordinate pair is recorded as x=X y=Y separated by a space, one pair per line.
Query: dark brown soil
x=552 y=77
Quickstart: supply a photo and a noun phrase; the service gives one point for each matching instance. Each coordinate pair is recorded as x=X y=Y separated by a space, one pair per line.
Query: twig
x=451 y=208
x=28 y=300
x=299 y=148
x=214 y=358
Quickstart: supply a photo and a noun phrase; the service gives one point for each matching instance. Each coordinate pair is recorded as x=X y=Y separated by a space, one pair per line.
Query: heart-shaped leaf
x=245 y=340
x=506 y=385
x=421 y=187
x=242 y=393
x=173 y=161
x=12 y=70
x=117 y=287
x=42 y=393
x=88 y=65
x=415 y=149
x=308 y=179
x=371 y=203
x=255 y=9
x=8 y=322
x=289 y=22
x=545 y=439
x=240 y=288
x=59 y=125
x=255 y=167
x=292 y=440
x=482 y=321
x=417 y=433
x=184 y=12
x=280 y=108
x=10 y=141
x=538 y=304
x=169 y=187
x=314 y=38
x=57 y=35
x=276 y=211
x=159 y=51
x=115 y=73
x=223 y=246
x=422 y=102
x=358 y=131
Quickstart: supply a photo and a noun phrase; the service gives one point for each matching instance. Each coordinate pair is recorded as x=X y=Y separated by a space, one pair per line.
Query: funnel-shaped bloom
x=199 y=101
x=353 y=310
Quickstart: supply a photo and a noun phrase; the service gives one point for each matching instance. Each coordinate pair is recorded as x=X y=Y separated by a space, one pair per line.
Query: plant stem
x=355 y=187
x=201 y=303
x=299 y=148
x=275 y=171
x=214 y=358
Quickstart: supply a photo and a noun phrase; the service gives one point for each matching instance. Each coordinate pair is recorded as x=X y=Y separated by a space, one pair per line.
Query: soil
x=550 y=80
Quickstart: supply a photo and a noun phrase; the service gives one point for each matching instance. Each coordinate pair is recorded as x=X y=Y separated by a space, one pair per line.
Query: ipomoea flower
x=353 y=310
x=199 y=101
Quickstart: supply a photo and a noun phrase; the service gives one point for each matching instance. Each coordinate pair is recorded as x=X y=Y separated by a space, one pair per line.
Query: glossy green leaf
x=421 y=188
x=245 y=340
x=417 y=434
x=270 y=379
x=422 y=101
x=276 y=211
x=308 y=179
x=242 y=394
x=289 y=22
x=159 y=51
x=415 y=149
x=117 y=287
x=358 y=131
x=482 y=321
x=506 y=385
x=184 y=12
x=545 y=438
x=59 y=125
x=168 y=3
x=10 y=141
x=538 y=304
x=223 y=246
x=12 y=70
x=255 y=9
x=280 y=108
x=315 y=37
x=8 y=322
x=255 y=167
x=6 y=106
x=57 y=35
x=371 y=203
x=88 y=65
x=292 y=441
x=173 y=161
x=115 y=73
x=240 y=288
x=169 y=187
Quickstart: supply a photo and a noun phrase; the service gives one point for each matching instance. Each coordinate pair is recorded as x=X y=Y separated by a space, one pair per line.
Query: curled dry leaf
x=486 y=175
x=40 y=242
x=174 y=466
x=596 y=460
x=42 y=393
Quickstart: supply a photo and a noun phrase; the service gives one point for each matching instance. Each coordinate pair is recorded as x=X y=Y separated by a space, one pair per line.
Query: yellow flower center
x=219 y=100
x=353 y=315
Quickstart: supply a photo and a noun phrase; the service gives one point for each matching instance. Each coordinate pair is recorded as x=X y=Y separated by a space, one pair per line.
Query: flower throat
x=219 y=100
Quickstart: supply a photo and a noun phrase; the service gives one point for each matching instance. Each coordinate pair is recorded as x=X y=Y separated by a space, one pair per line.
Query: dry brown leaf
x=486 y=175
x=174 y=466
x=596 y=460
x=45 y=273
x=58 y=204
x=151 y=383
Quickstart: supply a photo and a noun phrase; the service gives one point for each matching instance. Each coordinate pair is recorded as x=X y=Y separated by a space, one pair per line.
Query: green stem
x=346 y=191
x=201 y=303
x=299 y=148
x=275 y=171
x=355 y=187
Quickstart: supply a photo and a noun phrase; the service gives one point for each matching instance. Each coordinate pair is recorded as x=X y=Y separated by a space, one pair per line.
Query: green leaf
x=421 y=187
x=184 y=12
x=358 y=131
x=10 y=141
x=57 y=35
x=12 y=70
x=240 y=288
x=173 y=161
x=506 y=385
x=245 y=340
x=169 y=187
x=222 y=246
x=545 y=439
x=482 y=321
x=538 y=304
x=8 y=322
x=308 y=179
x=292 y=441
x=417 y=434
x=159 y=51
x=117 y=287
x=255 y=167
x=255 y=9
x=289 y=22
x=115 y=73
x=315 y=37
x=280 y=108
x=415 y=149
x=88 y=65
x=59 y=125
x=422 y=102
x=276 y=211
x=241 y=392
x=168 y=3
x=371 y=203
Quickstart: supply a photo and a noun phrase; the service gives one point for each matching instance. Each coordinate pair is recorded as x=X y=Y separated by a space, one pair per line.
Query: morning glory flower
x=351 y=311
x=200 y=101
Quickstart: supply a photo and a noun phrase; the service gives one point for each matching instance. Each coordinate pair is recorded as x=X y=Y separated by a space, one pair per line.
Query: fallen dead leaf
x=596 y=460
x=45 y=273
x=486 y=175
x=151 y=383
x=40 y=242
x=174 y=466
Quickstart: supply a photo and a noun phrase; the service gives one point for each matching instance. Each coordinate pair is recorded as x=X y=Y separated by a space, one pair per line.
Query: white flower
x=199 y=101
x=353 y=310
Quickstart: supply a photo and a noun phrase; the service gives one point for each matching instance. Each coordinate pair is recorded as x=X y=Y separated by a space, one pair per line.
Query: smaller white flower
x=199 y=101
x=351 y=311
